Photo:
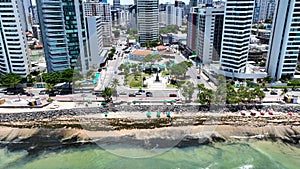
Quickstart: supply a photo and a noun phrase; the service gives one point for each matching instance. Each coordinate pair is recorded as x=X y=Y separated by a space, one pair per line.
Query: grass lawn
x=134 y=82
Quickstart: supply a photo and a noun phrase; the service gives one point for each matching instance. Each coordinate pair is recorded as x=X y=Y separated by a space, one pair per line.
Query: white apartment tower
x=209 y=34
x=236 y=35
x=172 y=15
x=147 y=20
x=285 y=39
x=13 y=46
x=94 y=8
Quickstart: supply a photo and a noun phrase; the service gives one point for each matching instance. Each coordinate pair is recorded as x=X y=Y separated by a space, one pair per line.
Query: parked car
x=149 y=94
x=131 y=95
x=295 y=89
x=142 y=91
x=29 y=94
x=43 y=92
x=266 y=90
x=172 y=95
x=198 y=77
x=273 y=92
x=14 y=91
x=55 y=106
x=123 y=93
x=138 y=93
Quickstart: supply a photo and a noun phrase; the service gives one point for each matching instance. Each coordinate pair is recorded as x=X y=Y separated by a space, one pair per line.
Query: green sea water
x=258 y=154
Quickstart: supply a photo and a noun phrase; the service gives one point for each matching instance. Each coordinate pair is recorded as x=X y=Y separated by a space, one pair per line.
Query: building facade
x=192 y=29
x=13 y=45
x=236 y=35
x=94 y=8
x=209 y=34
x=94 y=26
x=264 y=9
x=64 y=35
x=285 y=39
x=147 y=20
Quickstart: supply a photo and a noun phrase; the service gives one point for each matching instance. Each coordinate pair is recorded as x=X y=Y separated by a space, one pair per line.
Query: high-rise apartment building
x=147 y=20
x=209 y=34
x=13 y=46
x=94 y=8
x=116 y=4
x=191 y=39
x=236 y=35
x=264 y=9
x=63 y=33
x=94 y=27
x=285 y=39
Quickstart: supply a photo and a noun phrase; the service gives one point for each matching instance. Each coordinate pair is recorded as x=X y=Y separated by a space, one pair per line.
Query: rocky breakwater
x=36 y=131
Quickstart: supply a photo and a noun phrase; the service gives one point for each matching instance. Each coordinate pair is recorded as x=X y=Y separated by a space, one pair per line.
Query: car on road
x=14 y=91
x=172 y=95
x=123 y=93
x=55 y=106
x=131 y=95
x=142 y=91
x=42 y=92
x=273 y=92
x=149 y=94
x=29 y=94
x=138 y=93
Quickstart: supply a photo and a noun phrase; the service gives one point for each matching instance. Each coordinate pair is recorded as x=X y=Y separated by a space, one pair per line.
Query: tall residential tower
x=236 y=35
x=13 y=46
x=147 y=20
x=209 y=34
x=285 y=39
x=63 y=33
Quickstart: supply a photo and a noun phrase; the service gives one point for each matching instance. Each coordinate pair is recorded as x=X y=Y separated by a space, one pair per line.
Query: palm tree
x=115 y=84
x=49 y=87
x=106 y=94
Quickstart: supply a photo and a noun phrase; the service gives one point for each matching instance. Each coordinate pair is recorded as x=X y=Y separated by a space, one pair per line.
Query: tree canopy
x=10 y=79
x=188 y=90
x=107 y=93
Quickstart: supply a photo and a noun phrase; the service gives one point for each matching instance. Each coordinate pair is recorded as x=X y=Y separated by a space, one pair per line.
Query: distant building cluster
x=235 y=35
x=246 y=39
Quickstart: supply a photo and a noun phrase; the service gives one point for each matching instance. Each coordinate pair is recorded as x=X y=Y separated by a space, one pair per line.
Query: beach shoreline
x=182 y=129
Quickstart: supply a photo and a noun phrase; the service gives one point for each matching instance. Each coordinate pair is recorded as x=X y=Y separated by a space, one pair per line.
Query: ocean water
x=241 y=155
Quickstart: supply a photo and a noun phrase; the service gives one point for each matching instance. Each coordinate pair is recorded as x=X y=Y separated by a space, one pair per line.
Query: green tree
x=89 y=73
x=294 y=83
x=11 y=79
x=188 y=90
x=204 y=94
x=231 y=94
x=49 y=87
x=30 y=80
x=52 y=77
x=116 y=33
x=267 y=79
x=188 y=64
x=67 y=75
x=152 y=59
x=219 y=96
x=259 y=93
x=115 y=83
x=126 y=73
x=107 y=93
